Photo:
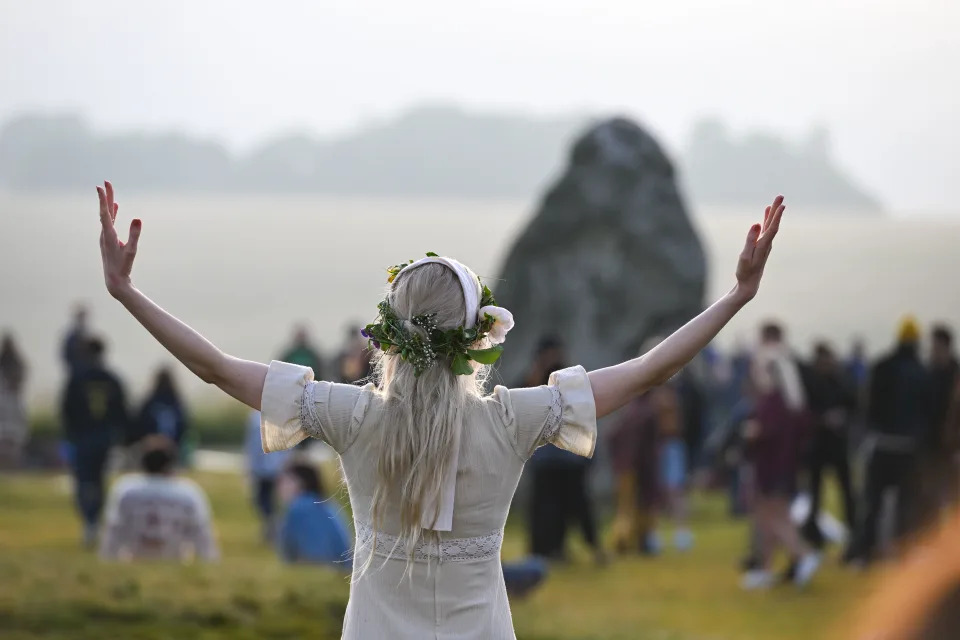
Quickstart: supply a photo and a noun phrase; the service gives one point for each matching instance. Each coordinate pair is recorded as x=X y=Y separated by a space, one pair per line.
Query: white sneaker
x=89 y=536
x=756 y=579
x=807 y=566
x=683 y=539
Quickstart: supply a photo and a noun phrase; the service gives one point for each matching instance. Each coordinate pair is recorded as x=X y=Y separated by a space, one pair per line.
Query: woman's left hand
x=755 y=252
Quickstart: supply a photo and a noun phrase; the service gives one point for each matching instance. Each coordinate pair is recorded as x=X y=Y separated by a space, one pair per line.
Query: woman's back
x=455 y=583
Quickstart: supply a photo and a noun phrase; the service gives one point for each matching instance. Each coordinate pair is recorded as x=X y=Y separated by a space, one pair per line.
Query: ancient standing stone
x=610 y=258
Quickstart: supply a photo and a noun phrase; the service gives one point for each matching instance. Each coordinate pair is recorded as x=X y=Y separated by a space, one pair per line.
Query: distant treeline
x=428 y=151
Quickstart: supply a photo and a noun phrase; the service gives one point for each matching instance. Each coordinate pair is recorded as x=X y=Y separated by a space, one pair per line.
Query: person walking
x=833 y=403
x=95 y=417
x=776 y=435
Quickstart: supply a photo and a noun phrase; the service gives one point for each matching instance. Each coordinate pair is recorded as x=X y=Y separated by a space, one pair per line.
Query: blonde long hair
x=422 y=414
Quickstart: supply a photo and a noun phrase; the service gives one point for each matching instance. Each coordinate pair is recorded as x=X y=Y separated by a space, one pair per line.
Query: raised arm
x=241 y=379
x=614 y=386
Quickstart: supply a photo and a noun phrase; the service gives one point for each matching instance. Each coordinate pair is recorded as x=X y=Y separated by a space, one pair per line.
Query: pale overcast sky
x=881 y=74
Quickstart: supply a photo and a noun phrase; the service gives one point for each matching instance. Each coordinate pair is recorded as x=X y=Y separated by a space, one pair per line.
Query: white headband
x=468 y=282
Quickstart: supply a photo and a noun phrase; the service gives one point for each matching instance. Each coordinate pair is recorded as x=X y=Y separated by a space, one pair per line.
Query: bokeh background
x=282 y=154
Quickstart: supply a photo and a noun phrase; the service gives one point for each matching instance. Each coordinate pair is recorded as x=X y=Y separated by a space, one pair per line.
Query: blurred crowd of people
x=768 y=424
x=765 y=424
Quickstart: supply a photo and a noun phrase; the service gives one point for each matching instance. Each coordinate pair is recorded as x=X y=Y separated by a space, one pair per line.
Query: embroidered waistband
x=444 y=550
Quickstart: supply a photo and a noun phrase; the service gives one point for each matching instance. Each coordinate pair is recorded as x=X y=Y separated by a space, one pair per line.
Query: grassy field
x=49 y=588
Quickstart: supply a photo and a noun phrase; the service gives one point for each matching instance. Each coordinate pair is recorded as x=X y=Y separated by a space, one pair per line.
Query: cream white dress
x=456 y=589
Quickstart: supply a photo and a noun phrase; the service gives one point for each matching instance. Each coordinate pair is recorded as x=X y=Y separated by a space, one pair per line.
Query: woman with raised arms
x=431 y=461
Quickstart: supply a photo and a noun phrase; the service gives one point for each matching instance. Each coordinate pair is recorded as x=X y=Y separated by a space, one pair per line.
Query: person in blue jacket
x=312 y=530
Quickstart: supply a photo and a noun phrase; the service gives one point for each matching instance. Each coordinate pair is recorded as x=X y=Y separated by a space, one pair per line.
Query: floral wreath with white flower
x=422 y=351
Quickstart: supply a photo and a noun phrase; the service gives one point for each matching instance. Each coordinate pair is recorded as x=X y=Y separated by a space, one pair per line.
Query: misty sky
x=880 y=74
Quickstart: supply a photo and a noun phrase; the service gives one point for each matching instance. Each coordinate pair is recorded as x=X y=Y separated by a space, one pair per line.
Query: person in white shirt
x=156 y=515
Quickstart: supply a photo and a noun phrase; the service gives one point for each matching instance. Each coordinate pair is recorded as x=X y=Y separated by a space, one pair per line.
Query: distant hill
x=722 y=169
x=426 y=151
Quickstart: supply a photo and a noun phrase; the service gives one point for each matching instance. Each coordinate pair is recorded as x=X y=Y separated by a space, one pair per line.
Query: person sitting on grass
x=156 y=515
x=312 y=530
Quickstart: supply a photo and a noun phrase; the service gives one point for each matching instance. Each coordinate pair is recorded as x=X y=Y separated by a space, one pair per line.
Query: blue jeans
x=265 y=497
x=89 y=467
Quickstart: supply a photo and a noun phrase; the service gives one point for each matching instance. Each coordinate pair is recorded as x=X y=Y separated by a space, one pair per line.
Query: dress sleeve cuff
x=281 y=411
x=578 y=428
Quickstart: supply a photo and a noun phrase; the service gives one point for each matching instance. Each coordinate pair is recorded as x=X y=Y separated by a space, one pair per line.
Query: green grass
x=49 y=588
x=217 y=425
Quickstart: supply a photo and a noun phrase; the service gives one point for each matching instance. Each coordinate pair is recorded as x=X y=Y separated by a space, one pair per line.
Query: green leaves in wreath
x=387 y=333
x=394 y=271
x=460 y=365
x=486 y=356
x=486 y=297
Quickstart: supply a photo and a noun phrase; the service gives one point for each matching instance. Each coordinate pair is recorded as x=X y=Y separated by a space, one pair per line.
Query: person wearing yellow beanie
x=909 y=331
x=898 y=413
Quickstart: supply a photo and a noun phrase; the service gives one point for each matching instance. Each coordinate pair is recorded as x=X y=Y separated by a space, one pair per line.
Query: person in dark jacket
x=832 y=400
x=938 y=473
x=94 y=415
x=944 y=369
x=560 y=493
x=898 y=414
x=163 y=412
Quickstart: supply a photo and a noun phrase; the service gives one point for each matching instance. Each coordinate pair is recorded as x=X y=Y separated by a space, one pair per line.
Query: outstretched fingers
x=111 y=202
x=751 y=244
x=109 y=233
x=766 y=239
x=130 y=249
x=770 y=212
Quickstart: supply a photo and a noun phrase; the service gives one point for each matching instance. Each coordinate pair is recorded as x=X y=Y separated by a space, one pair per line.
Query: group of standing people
x=787 y=422
x=803 y=419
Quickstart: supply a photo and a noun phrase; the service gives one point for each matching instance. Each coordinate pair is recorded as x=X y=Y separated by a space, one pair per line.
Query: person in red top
x=776 y=434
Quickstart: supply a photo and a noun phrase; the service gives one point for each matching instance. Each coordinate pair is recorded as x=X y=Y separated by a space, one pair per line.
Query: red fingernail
x=136 y=222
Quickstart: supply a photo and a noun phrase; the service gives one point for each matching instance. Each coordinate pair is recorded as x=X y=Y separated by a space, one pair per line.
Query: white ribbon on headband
x=468 y=282
x=504 y=322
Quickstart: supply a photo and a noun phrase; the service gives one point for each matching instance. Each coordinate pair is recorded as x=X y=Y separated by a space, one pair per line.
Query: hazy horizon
x=869 y=72
x=317 y=262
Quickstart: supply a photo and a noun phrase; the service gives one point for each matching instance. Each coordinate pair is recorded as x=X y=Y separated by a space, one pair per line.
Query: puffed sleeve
x=562 y=413
x=294 y=407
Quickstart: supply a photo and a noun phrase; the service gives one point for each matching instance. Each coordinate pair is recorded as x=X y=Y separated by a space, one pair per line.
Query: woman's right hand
x=117 y=255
